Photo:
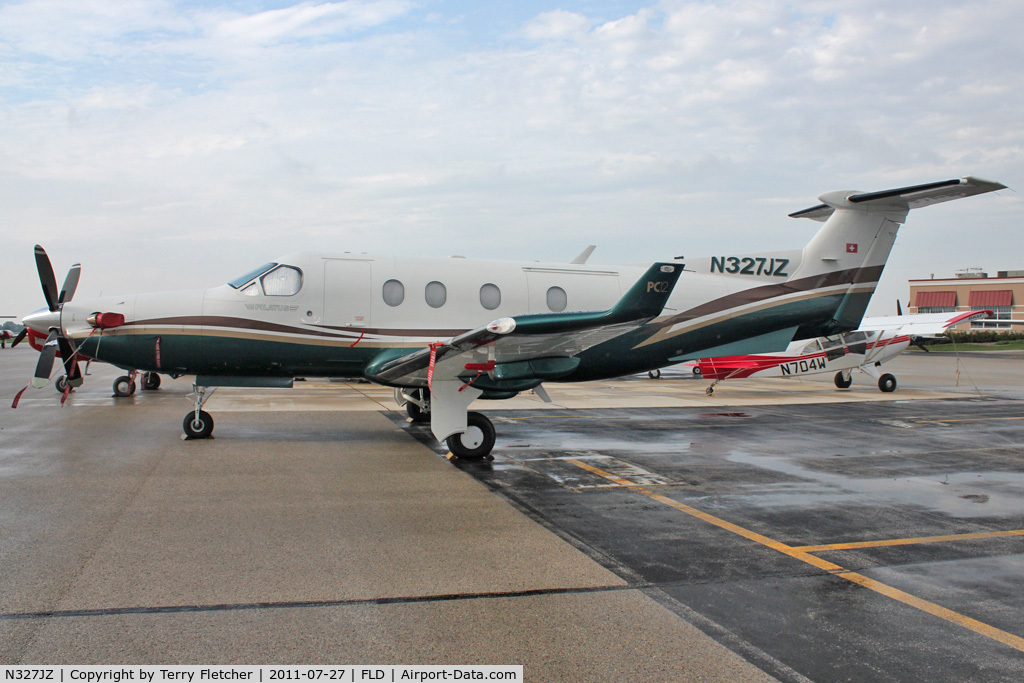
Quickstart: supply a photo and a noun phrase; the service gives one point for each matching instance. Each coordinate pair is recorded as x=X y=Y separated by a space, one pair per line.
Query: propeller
x=45 y=363
x=21 y=335
x=46 y=278
x=49 y=320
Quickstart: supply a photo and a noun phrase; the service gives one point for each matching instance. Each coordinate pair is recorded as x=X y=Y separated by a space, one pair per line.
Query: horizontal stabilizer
x=902 y=198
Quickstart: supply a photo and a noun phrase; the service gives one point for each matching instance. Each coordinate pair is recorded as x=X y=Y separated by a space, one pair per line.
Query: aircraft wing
x=921 y=324
x=530 y=347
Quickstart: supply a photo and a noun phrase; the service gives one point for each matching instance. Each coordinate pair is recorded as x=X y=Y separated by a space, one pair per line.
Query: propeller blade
x=899 y=309
x=70 y=283
x=45 y=364
x=67 y=355
x=46 y=278
x=21 y=335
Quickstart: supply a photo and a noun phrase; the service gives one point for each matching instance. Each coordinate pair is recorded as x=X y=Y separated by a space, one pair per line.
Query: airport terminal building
x=973 y=289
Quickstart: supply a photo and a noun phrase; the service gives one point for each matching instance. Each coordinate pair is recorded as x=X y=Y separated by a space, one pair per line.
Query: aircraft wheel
x=124 y=386
x=476 y=442
x=710 y=391
x=197 y=429
x=697 y=370
x=887 y=383
x=844 y=382
x=150 y=381
x=654 y=374
x=415 y=413
x=61 y=384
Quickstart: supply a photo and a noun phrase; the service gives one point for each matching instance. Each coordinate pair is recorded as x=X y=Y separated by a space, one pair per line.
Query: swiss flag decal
x=851 y=248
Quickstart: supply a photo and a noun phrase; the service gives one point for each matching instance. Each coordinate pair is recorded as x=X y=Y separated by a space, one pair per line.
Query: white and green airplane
x=445 y=332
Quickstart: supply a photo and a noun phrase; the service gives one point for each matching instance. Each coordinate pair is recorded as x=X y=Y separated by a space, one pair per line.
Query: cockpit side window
x=811 y=347
x=240 y=282
x=252 y=290
x=282 y=281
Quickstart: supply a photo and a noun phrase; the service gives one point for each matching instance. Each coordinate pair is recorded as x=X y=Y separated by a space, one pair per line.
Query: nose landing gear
x=198 y=424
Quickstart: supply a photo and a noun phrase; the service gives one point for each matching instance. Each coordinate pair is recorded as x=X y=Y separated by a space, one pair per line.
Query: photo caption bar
x=342 y=673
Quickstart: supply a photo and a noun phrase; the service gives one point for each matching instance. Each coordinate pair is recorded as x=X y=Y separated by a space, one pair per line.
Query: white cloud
x=557 y=25
x=311 y=19
x=366 y=125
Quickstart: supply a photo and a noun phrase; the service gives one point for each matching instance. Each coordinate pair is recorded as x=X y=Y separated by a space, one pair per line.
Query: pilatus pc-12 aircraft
x=445 y=332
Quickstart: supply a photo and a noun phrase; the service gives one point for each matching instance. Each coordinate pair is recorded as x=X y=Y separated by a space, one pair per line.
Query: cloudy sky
x=174 y=144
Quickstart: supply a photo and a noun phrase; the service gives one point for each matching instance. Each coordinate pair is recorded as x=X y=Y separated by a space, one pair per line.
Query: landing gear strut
x=476 y=442
x=198 y=424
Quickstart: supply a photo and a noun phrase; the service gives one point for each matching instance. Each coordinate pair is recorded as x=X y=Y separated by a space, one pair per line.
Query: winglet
x=648 y=296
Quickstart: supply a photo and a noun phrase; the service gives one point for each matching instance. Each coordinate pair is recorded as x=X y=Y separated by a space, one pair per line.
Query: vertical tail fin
x=850 y=250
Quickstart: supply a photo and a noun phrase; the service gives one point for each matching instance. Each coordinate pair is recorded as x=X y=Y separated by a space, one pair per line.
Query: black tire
x=697 y=371
x=654 y=374
x=197 y=430
x=843 y=382
x=415 y=413
x=61 y=384
x=478 y=440
x=887 y=383
x=124 y=386
x=150 y=381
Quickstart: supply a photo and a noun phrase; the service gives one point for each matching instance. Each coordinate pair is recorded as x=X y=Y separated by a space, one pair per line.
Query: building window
x=282 y=281
x=936 y=309
x=490 y=296
x=436 y=294
x=998 y=313
x=393 y=292
x=557 y=300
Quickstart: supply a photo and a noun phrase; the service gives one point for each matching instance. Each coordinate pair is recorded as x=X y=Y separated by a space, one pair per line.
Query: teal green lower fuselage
x=192 y=353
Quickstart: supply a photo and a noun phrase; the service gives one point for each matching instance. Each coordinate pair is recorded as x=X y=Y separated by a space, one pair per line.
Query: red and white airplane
x=876 y=341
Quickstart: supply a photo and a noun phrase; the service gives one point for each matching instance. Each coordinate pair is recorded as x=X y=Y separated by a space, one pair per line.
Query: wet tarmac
x=767 y=531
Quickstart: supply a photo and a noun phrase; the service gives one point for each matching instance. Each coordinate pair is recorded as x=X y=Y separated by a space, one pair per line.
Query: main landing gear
x=886 y=381
x=197 y=423
x=476 y=443
x=125 y=384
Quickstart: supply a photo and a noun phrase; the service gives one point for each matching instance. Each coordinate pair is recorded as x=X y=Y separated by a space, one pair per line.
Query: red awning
x=935 y=299
x=990 y=298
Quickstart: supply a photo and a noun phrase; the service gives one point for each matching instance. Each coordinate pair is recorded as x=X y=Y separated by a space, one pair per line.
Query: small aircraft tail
x=850 y=251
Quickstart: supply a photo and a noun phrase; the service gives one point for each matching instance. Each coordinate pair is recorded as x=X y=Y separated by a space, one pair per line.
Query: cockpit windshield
x=240 y=281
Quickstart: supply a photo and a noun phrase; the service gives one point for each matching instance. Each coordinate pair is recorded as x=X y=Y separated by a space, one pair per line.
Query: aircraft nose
x=42 y=320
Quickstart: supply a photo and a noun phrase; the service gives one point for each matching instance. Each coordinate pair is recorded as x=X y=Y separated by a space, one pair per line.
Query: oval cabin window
x=393 y=292
x=490 y=296
x=557 y=300
x=436 y=294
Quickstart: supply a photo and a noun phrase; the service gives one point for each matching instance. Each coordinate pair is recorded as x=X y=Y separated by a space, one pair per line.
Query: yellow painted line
x=969 y=419
x=910 y=541
x=711 y=519
x=949 y=615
